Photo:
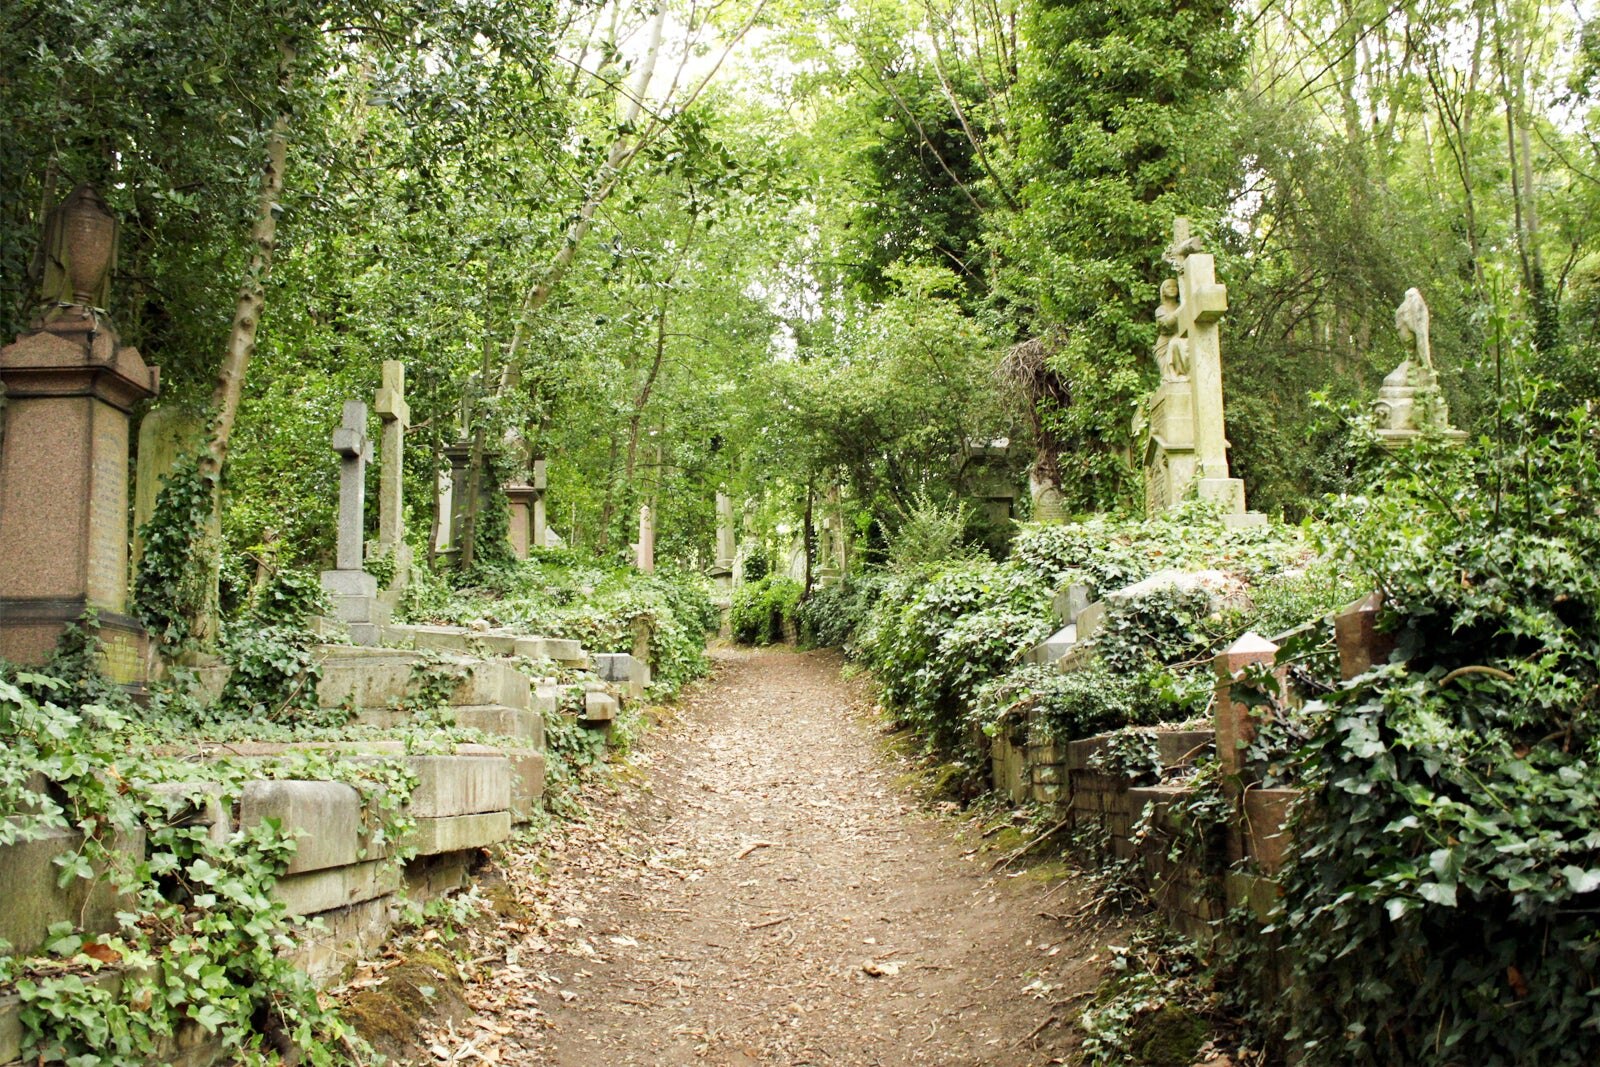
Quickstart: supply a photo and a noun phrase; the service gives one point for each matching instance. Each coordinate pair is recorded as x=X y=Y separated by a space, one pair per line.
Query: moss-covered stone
x=426 y=986
x=1169 y=1037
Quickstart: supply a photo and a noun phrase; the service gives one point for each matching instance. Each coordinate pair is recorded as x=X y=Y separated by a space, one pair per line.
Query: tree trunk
x=252 y=293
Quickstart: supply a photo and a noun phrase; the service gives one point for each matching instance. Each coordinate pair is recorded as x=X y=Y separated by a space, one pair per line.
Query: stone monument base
x=355 y=603
x=1394 y=440
x=33 y=625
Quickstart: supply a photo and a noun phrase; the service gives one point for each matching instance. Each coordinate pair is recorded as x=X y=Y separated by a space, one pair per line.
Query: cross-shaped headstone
x=1201 y=302
x=354 y=449
x=396 y=415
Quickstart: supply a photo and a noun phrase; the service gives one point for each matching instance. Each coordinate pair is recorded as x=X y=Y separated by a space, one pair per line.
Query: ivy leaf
x=1438 y=893
x=1582 y=881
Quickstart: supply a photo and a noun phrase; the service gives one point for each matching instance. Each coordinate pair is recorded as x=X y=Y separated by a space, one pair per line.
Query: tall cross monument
x=1188 y=447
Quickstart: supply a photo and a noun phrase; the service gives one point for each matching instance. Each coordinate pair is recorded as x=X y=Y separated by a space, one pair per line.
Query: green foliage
x=1448 y=855
x=1154 y=1009
x=935 y=636
x=930 y=533
x=762 y=609
x=829 y=617
x=1163 y=627
x=1122 y=131
x=1065 y=705
x=202 y=941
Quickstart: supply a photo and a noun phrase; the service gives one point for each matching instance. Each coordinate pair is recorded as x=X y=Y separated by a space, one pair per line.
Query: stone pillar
x=70 y=387
x=645 y=549
x=523 y=499
x=1355 y=632
x=353 y=591
x=395 y=415
x=460 y=457
x=541 y=528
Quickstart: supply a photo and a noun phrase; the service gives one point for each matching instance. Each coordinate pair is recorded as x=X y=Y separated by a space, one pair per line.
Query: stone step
x=485 y=643
x=382 y=677
x=599 y=707
x=456 y=833
x=326 y=814
x=31 y=901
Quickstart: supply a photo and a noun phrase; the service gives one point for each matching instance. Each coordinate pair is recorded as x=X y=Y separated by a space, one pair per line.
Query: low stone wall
x=1195 y=874
x=465 y=799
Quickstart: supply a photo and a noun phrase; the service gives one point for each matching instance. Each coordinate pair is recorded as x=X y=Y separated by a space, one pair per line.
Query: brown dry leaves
x=751 y=888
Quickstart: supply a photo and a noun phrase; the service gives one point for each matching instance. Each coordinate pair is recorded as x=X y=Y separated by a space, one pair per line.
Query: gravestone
x=1410 y=403
x=70 y=386
x=395 y=416
x=644 y=551
x=353 y=591
x=454 y=517
x=1188 y=445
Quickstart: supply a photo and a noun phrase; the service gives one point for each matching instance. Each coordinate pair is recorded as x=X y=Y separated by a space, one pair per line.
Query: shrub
x=1441 y=906
x=933 y=637
x=762 y=608
x=829 y=617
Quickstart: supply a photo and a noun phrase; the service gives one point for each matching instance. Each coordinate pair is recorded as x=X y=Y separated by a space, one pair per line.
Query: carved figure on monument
x=1171 y=359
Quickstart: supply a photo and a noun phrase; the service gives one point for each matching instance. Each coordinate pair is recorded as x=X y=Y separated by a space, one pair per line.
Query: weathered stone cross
x=1201 y=302
x=350 y=441
x=396 y=415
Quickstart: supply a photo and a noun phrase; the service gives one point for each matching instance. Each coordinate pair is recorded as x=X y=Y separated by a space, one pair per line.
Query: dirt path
x=756 y=889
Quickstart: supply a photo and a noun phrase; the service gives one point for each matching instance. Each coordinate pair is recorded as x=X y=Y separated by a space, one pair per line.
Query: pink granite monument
x=70 y=387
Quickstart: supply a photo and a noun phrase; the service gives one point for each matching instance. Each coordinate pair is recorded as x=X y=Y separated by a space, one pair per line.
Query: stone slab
x=379 y=677
x=460 y=785
x=527 y=787
x=1090 y=619
x=30 y=899
x=348 y=934
x=519 y=723
x=337 y=887
x=459 y=832
x=327 y=813
x=599 y=707
x=620 y=667
x=1052 y=648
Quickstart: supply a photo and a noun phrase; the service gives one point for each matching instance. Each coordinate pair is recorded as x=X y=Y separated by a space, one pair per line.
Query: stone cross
x=1201 y=303
x=396 y=416
x=354 y=449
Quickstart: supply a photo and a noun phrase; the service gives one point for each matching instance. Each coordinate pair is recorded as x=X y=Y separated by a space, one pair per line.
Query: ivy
x=1441 y=901
x=171 y=585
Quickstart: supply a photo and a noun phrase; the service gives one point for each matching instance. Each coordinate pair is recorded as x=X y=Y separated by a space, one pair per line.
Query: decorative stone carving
x=1188 y=447
x=1410 y=402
